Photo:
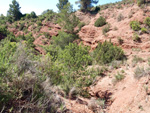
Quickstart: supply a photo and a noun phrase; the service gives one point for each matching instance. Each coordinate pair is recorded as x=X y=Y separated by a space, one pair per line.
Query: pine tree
x=86 y=4
x=14 y=11
x=61 y=4
x=67 y=19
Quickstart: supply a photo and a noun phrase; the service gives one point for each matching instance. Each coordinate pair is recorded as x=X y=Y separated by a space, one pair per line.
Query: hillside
x=46 y=68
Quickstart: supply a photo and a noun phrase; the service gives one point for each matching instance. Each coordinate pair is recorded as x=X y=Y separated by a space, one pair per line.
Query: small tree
x=33 y=14
x=75 y=57
x=14 y=11
x=61 y=4
x=67 y=19
x=86 y=4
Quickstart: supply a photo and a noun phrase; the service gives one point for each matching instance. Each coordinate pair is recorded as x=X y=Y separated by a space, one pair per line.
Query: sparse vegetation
x=120 y=40
x=136 y=60
x=120 y=17
x=136 y=37
x=106 y=29
x=139 y=72
x=119 y=77
x=147 y=21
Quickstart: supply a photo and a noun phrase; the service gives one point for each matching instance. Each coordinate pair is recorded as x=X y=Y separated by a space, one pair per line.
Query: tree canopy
x=14 y=10
x=61 y=4
x=86 y=4
x=67 y=19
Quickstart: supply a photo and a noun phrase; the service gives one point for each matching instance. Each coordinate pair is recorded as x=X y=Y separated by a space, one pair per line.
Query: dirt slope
x=129 y=95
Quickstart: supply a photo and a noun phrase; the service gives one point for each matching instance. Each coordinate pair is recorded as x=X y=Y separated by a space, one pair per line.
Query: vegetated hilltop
x=93 y=61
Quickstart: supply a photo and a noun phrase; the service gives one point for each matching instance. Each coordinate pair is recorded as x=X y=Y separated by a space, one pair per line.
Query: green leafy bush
x=47 y=35
x=147 y=21
x=3 y=31
x=100 y=21
x=135 y=25
x=119 y=77
x=7 y=50
x=75 y=57
x=80 y=25
x=107 y=52
x=63 y=39
x=144 y=30
x=53 y=51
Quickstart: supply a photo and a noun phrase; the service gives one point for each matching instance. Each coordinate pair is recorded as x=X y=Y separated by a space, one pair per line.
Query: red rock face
x=50 y=28
x=91 y=35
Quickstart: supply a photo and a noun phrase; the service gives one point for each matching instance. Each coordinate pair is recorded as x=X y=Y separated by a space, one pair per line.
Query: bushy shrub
x=80 y=25
x=135 y=25
x=3 y=31
x=147 y=21
x=47 y=35
x=107 y=52
x=39 y=23
x=140 y=2
x=119 y=77
x=144 y=30
x=75 y=57
x=100 y=21
x=28 y=78
x=95 y=9
x=63 y=39
x=7 y=50
x=53 y=51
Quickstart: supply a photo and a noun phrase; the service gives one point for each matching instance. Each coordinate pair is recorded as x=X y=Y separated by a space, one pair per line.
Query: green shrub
x=75 y=57
x=140 y=2
x=80 y=25
x=7 y=50
x=107 y=52
x=100 y=21
x=21 y=26
x=47 y=35
x=136 y=37
x=147 y=21
x=3 y=31
x=53 y=51
x=39 y=23
x=144 y=30
x=135 y=25
x=106 y=29
x=119 y=77
x=63 y=39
